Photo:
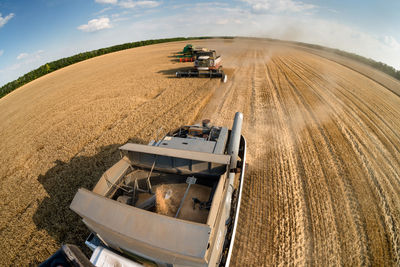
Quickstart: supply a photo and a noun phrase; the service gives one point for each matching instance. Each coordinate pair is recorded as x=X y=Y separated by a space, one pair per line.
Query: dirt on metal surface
x=322 y=186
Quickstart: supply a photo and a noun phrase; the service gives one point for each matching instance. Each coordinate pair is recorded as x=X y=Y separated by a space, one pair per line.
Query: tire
x=224 y=77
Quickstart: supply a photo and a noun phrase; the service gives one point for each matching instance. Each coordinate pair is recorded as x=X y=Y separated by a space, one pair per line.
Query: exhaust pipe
x=233 y=147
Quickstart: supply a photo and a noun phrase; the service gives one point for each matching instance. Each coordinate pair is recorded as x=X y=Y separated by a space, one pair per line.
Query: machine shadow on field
x=175 y=56
x=61 y=183
x=172 y=72
x=174 y=59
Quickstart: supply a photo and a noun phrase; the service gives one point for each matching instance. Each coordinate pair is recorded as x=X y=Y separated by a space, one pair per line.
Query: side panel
x=236 y=219
x=220 y=228
x=118 y=241
x=177 y=153
x=112 y=176
x=219 y=234
x=145 y=233
x=176 y=160
x=216 y=202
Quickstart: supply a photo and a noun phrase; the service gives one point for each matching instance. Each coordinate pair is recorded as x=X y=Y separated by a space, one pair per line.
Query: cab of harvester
x=207 y=60
x=188 y=49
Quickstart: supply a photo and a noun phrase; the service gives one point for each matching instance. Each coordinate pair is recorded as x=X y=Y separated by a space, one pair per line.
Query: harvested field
x=322 y=186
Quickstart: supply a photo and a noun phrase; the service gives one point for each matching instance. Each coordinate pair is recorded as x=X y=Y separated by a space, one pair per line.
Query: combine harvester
x=173 y=202
x=207 y=64
x=188 y=53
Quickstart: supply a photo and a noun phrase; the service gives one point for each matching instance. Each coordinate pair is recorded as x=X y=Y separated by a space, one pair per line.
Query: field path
x=322 y=185
x=323 y=181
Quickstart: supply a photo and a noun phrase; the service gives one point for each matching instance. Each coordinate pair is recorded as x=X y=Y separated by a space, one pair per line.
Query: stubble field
x=322 y=186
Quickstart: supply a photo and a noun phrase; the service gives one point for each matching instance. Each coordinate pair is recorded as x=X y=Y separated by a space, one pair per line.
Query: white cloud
x=1 y=52
x=392 y=42
x=22 y=56
x=260 y=6
x=222 y=21
x=26 y=62
x=29 y=58
x=106 y=1
x=4 y=20
x=133 y=4
x=102 y=11
x=95 y=25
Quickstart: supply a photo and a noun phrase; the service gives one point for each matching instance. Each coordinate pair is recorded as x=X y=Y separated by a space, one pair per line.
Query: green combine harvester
x=188 y=53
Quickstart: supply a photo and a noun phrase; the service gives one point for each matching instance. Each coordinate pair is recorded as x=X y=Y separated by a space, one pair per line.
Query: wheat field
x=322 y=185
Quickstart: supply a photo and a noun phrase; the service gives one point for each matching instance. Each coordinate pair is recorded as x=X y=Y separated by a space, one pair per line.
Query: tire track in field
x=347 y=189
x=343 y=211
x=288 y=154
x=379 y=148
x=284 y=236
x=381 y=140
x=323 y=221
x=384 y=149
x=372 y=156
x=384 y=129
x=357 y=218
x=338 y=229
x=383 y=144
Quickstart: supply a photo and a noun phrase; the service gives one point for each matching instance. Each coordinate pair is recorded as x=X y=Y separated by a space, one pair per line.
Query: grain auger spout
x=233 y=147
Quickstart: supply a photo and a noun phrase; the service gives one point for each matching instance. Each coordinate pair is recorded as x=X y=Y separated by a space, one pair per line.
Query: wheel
x=224 y=77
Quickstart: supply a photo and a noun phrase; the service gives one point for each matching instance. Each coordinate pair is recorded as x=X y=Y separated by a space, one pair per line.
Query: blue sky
x=38 y=31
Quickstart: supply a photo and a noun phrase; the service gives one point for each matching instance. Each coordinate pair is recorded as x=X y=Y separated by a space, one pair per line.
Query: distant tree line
x=58 y=64
x=370 y=62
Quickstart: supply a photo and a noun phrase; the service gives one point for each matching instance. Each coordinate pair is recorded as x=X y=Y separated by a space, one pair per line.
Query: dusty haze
x=322 y=186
